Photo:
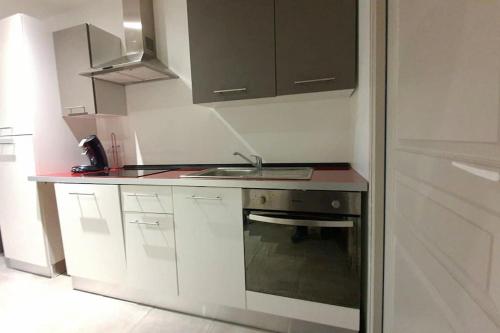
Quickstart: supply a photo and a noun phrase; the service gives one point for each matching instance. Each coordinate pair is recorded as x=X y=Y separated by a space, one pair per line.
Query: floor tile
x=35 y=304
x=219 y=327
x=160 y=321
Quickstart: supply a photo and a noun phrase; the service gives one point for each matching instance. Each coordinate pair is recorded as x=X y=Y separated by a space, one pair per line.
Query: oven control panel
x=328 y=202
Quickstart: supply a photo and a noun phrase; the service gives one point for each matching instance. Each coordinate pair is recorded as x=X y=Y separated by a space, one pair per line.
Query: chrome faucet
x=258 y=160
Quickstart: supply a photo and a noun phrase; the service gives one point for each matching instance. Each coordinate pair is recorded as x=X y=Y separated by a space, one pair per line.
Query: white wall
x=163 y=125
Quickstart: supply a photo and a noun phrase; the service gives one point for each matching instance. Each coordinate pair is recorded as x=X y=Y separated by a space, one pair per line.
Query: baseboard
x=247 y=318
x=46 y=271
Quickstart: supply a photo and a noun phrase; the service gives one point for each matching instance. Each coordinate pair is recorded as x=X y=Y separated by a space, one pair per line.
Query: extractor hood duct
x=140 y=63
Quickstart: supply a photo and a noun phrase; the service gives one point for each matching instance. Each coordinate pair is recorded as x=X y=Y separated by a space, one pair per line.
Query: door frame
x=376 y=209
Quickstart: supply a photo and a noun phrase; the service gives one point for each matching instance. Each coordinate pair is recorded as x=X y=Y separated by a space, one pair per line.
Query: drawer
x=150 y=252
x=147 y=199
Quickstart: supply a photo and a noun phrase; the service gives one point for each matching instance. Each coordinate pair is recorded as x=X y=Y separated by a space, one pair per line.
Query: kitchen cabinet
x=77 y=49
x=27 y=75
x=92 y=231
x=248 y=49
x=232 y=49
x=150 y=252
x=209 y=238
x=150 y=238
x=315 y=45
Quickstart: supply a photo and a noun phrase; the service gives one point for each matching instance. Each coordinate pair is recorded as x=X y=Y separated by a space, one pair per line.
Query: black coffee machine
x=94 y=150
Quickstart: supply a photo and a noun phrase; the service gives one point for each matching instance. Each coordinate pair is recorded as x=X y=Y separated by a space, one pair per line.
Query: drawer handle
x=195 y=197
x=84 y=194
x=227 y=91
x=156 y=223
x=143 y=195
x=326 y=79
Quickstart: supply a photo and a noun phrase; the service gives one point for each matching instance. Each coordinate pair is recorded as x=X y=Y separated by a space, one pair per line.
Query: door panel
x=20 y=220
x=232 y=49
x=72 y=58
x=315 y=45
x=443 y=167
x=92 y=231
x=209 y=238
x=150 y=251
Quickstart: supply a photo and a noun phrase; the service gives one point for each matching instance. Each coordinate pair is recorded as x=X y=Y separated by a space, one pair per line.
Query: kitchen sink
x=254 y=173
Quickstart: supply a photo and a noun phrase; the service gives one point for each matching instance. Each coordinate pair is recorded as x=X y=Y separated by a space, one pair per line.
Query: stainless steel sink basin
x=253 y=173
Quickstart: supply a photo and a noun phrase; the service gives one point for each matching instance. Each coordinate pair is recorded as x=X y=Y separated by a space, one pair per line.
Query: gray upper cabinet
x=316 y=45
x=77 y=49
x=232 y=49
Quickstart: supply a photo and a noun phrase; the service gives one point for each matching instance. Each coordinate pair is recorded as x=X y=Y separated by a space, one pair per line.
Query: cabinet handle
x=84 y=194
x=156 y=223
x=143 y=195
x=14 y=135
x=71 y=108
x=326 y=79
x=301 y=223
x=227 y=91
x=194 y=197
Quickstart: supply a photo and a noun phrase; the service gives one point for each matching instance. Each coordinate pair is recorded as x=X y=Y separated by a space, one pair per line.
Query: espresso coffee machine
x=94 y=150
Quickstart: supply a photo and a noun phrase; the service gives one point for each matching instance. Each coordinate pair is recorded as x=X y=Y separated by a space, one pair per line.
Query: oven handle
x=301 y=223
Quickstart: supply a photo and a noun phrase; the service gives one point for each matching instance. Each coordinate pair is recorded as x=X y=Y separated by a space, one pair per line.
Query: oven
x=303 y=245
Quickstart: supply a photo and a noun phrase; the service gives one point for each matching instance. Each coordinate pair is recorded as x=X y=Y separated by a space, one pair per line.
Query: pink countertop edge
x=344 y=179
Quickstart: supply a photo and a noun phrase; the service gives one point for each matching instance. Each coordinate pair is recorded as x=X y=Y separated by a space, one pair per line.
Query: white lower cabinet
x=150 y=252
x=209 y=238
x=92 y=231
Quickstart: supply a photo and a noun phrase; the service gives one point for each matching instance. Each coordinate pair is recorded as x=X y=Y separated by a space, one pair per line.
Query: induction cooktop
x=124 y=173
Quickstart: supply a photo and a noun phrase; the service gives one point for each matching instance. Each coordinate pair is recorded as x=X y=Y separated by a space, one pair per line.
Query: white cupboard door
x=71 y=48
x=209 y=238
x=443 y=193
x=20 y=221
x=18 y=91
x=147 y=199
x=150 y=252
x=92 y=232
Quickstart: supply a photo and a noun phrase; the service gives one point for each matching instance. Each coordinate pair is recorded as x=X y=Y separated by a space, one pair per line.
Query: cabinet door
x=209 y=238
x=150 y=252
x=22 y=228
x=315 y=45
x=72 y=58
x=18 y=85
x=232 y=49
x=92 y=232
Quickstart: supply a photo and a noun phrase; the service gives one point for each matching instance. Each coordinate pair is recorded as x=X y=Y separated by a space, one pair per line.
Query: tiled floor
x=33 y=304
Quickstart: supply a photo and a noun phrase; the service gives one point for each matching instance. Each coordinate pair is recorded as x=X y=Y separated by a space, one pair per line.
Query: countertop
x=331 y=180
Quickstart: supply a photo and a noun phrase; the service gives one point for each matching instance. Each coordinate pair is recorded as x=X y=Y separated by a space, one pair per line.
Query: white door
x=18 y=93
x=443 y=191
x=92 y=231
x=209 y=239
x=150 y=252
x=20 y=221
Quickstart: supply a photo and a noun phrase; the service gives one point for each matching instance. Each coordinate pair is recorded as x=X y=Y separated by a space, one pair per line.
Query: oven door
x=303 y=256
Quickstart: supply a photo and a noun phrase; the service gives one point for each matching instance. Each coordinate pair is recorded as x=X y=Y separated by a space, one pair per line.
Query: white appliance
x=28 y=213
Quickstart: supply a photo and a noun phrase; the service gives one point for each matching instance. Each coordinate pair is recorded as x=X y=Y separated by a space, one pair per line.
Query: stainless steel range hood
x=140 y=63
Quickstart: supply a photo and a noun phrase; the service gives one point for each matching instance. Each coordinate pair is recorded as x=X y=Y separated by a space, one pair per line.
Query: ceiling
x=38 y=8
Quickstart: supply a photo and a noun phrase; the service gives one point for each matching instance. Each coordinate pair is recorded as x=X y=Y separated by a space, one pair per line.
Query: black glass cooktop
x=123 y=173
